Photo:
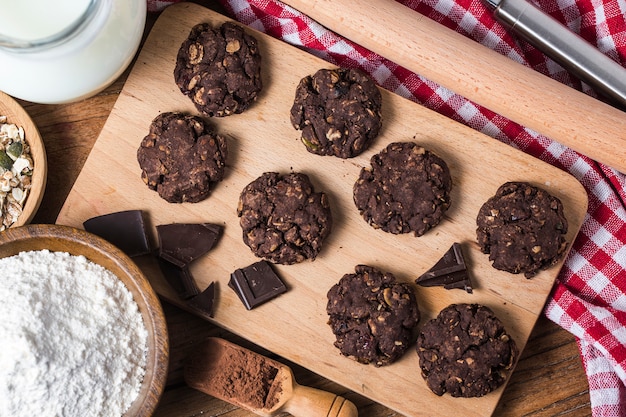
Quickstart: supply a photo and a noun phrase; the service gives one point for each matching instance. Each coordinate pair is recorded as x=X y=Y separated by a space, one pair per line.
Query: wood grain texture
x=494 y=81
x=538 y=387
x=262 y=139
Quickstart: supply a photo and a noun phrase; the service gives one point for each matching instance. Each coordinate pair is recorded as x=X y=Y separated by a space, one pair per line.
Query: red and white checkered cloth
x=589 y=297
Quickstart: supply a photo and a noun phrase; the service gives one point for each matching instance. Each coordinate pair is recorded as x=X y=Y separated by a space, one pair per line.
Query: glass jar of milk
x=58 y=51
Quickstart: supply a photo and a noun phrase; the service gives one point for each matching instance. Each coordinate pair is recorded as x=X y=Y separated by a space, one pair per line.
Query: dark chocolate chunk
x=182 y=243
x=450 y=272
x=179 y=278
x=256 y=284
x=204 y=301
x=124 y=229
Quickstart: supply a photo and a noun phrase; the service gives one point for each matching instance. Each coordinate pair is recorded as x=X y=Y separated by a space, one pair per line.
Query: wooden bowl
x=79 y=242
x=18 y=116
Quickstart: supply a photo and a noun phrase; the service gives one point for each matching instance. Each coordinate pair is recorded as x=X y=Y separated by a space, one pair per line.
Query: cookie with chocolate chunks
x=465 y=351
x=338 y=112
x=283 y=219
x=182 y=157
x=406 y=189
x=522 y=228
x=372 y=316
x=219 y=69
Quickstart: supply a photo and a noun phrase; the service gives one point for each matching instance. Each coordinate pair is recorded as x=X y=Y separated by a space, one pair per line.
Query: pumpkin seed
x=14 y=150
x=5 y=161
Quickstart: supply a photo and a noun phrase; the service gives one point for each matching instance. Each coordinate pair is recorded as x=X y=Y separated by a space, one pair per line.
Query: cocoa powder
x=245 y=377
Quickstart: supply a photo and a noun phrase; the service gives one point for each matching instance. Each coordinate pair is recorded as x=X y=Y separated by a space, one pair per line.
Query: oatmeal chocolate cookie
x=465 y=351
x=182 y=157
x=338 y=112
x=406 y=189
x=219 y=69
x=372 y=316
x=283 y=219
x=522 y=228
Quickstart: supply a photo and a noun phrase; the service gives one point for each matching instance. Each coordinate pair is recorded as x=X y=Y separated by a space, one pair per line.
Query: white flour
x=72 y=340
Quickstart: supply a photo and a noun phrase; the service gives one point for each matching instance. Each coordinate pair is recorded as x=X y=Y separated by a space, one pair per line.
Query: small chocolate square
x=256 y=284
x=124 y=229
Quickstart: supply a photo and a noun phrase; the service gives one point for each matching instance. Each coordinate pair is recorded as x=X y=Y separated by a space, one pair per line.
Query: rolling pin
x=474 y=71
x=258 y=384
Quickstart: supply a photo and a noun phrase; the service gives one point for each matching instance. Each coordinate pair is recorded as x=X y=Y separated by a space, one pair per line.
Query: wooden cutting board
x=262 y=139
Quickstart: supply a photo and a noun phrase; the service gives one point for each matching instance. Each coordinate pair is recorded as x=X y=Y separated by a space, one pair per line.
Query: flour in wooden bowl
x=72 y=339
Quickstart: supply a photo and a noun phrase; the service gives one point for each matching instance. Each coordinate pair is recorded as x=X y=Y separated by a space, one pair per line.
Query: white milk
x=36 y=19
x=81 y=65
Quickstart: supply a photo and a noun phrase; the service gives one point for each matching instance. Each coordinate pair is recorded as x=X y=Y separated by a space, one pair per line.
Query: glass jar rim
x=70 y=31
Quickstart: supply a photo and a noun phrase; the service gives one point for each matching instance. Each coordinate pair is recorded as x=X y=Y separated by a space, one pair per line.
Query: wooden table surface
x=549 y=379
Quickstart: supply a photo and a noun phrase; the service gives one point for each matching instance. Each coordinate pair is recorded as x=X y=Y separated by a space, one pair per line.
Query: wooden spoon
x=258 y=384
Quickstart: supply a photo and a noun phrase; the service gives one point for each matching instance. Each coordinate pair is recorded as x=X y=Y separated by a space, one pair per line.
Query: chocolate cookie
x=338 y=112
x=219 y=69
x=406 y=189
x=182 y=157
x=283 y=219
x=465 y=351
x=522 y=228
x=372 y=316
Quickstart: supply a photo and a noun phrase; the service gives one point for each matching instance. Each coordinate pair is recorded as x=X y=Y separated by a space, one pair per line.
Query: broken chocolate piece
x=182 y=243
x=124 y=229
x=204 y=301
x=256 y=284
x=450 y=272
x=179 y=278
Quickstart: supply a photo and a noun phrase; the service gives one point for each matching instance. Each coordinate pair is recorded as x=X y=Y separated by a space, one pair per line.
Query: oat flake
x=72 y=340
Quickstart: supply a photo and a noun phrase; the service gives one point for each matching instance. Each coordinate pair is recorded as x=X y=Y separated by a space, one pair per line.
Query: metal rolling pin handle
x=571 y=51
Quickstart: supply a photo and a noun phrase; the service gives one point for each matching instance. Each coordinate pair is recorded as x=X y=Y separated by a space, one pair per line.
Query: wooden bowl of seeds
x=23 y=165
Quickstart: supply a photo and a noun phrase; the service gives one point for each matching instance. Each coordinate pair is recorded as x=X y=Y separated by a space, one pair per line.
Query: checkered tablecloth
x=589 y=297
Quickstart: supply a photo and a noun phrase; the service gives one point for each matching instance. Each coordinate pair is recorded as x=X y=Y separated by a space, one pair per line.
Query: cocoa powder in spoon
x=244 y=377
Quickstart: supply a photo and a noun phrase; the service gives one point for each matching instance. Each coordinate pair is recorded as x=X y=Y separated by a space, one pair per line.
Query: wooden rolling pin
x=258 y=384
x=464 y=66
